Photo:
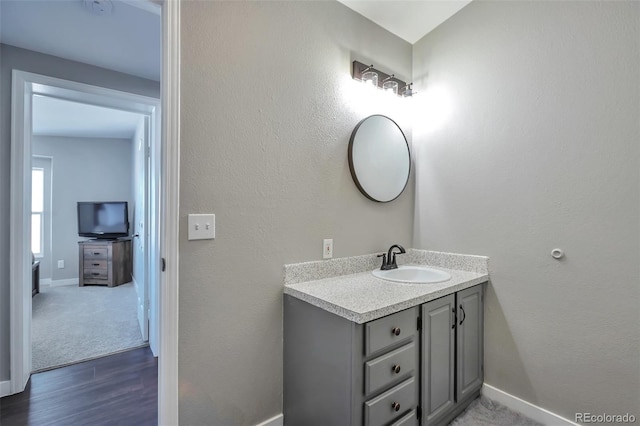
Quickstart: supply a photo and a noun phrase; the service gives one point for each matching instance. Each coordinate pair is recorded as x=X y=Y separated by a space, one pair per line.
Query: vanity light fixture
x=387 y=82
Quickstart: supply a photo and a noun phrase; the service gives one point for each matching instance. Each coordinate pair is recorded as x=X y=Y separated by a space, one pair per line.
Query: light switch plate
x=202 y=227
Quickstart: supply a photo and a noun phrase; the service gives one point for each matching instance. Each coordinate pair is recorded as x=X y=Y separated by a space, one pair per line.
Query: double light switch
x=202 y=227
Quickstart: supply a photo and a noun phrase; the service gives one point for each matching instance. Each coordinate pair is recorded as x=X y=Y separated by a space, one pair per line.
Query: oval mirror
x=379 y=158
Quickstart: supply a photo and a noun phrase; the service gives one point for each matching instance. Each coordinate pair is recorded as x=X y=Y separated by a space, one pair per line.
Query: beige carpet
x=72 y=324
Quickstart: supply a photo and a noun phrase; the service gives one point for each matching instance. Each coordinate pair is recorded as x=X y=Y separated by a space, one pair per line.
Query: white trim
x=45 y=282
x=534 y=412
x=5 y=388
x=273 y=421
x=20 y=233
x=61 y=283
x=169 y=213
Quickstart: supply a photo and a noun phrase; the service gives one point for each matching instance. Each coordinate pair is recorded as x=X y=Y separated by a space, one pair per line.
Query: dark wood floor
x=120 y=389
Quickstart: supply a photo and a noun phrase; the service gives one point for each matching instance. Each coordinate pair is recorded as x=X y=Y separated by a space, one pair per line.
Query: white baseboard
x=60 y=283
x=5 y=388
x=273 y=421
x=45 y=282
x=534 y=412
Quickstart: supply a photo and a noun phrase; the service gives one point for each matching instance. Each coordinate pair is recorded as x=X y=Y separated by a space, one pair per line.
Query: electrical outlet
x=60 y=264
x=202 y=227
x=327 y=248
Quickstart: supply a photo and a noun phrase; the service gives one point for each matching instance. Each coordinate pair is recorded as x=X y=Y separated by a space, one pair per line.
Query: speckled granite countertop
x=347 y=288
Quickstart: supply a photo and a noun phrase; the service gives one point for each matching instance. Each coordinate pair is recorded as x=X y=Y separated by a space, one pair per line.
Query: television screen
x=108 y=219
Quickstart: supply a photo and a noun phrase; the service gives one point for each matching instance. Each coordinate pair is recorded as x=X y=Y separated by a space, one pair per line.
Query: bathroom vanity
x=359 y=350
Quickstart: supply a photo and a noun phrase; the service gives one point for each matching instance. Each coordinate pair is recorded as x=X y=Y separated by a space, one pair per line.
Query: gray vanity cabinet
x=339 y=373
x=452 y=354
x=438 y=358
x=420 y=366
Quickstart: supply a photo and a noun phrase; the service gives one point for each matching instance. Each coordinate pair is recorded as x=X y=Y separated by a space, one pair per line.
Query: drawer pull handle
x=396 y=368
x=395 y=331
x=395 y=406
x=95 y=253
x=95 y=264
x=95 y=273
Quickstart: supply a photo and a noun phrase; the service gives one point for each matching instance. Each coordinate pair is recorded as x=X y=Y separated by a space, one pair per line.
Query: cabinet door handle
x=395 y=406
x=395 y=331
x=395 y=368
x=455 y=319
x=464 y=315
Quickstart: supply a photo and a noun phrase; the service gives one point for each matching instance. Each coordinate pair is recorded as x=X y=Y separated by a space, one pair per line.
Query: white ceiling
x=57 y=117
x=127 y=40
x=410 y=20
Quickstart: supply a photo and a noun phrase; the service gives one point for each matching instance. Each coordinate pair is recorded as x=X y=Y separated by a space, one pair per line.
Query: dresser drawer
x=389 y=330
x=96 y=274
x=410 y=419
x=92 y=252
x=387 y=368
x=391 y=404
x=95 y=264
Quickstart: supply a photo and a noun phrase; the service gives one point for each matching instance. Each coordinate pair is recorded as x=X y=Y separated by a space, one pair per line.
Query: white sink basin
x=413 y=274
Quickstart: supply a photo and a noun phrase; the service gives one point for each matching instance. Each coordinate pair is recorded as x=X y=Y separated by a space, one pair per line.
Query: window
x=37 y=210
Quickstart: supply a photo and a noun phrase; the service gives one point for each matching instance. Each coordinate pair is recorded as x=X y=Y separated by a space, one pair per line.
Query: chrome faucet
x=389 y=258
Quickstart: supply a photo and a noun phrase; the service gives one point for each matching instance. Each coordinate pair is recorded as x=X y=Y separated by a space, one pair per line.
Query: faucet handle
x=384 y=260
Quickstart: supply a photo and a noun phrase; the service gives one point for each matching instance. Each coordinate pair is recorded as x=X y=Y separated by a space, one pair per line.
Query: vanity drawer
x=389 y=330
x=410 y=419
x=95 y=252
x=387 y=406
x=387 y=368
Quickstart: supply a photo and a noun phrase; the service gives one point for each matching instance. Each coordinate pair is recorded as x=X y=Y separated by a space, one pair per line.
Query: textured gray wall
x=539 y=149
x=25 y=60
x=84 y=169
x=268 y=107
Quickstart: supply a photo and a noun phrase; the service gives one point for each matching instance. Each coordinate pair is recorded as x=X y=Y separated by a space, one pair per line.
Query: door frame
x=170 y=208
x=168 y=227
x=24 y=86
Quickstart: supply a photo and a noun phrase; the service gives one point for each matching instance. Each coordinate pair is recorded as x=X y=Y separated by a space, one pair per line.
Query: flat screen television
x=104 y=220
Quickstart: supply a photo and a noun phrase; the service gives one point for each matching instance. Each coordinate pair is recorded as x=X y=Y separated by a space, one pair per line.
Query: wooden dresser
x=105 y=262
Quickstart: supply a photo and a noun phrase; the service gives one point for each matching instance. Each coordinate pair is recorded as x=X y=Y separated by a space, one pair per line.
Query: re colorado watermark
x=605 y=418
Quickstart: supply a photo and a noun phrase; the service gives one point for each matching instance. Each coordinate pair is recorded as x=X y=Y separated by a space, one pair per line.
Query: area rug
x=72 y=324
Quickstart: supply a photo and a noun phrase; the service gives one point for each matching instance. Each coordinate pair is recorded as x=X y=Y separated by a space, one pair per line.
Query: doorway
x=27 y=86
x=87 y=308
x=167 y=241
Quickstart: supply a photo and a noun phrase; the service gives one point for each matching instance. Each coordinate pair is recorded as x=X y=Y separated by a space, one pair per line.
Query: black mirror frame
x=352 y=168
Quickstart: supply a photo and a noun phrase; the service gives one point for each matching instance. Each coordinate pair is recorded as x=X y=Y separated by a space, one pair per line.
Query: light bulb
x=370 y=78
x=390 y=87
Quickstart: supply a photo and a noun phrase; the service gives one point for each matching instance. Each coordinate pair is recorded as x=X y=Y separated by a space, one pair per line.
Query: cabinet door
x=469 y=341
x=438 y=357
